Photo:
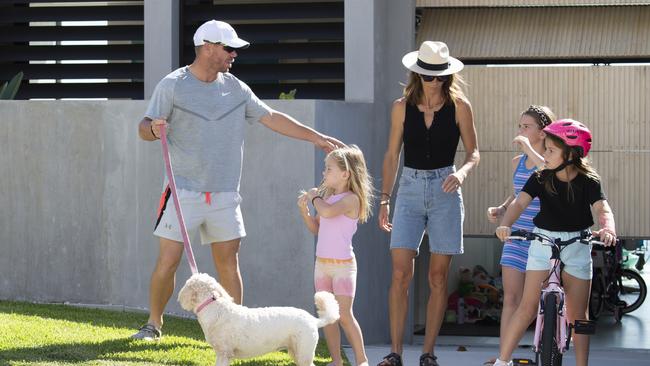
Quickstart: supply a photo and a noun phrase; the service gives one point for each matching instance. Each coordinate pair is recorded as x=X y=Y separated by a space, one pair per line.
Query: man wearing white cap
x=206 y=109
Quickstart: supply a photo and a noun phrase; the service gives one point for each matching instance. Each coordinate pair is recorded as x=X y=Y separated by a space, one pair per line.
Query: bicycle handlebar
x=527 y=235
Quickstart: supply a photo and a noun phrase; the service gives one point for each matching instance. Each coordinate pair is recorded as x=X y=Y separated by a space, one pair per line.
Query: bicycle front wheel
x=632 y=289
x=551 y=355
x=596 y=297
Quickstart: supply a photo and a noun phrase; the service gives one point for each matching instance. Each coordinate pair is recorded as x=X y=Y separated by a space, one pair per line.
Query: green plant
x=290 y=95
x=9 y=89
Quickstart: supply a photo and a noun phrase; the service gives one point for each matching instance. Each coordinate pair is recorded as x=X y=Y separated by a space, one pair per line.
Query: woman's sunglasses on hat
x=430 y=78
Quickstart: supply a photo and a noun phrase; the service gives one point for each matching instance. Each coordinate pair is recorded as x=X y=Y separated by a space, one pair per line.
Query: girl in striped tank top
x=530 y=140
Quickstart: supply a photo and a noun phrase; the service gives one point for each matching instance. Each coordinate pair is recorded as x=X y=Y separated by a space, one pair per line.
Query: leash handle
x=177 y=204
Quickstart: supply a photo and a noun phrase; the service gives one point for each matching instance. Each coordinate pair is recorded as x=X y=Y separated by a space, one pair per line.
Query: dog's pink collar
x=207 y=302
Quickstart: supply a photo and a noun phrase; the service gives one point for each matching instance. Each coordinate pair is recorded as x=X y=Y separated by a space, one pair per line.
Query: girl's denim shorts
x=421 y=205
x=576 y=257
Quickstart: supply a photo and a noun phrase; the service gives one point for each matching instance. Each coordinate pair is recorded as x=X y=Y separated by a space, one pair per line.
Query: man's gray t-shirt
x=206 y=127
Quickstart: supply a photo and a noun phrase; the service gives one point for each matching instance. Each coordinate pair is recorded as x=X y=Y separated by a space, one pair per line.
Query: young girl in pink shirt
x=342 y=200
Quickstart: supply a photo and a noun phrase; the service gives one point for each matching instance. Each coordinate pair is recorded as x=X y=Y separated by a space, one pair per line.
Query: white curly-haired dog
x=235 y=331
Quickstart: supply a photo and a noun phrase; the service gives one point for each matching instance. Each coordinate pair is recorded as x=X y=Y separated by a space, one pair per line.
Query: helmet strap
x=563 y=165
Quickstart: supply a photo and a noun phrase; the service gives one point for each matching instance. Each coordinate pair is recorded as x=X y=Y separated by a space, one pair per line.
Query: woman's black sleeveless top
x=431 y=148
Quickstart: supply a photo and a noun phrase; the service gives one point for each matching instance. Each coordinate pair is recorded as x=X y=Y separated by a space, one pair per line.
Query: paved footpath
x=449 y=355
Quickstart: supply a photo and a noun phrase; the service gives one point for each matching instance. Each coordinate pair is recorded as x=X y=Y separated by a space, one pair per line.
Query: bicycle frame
x=553 y=285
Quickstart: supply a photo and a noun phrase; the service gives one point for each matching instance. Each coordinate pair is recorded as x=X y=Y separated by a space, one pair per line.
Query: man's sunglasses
x=430 y=78
x=225 y=48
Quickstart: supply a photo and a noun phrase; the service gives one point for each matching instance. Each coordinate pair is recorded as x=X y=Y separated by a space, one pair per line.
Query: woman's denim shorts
x=422 y=205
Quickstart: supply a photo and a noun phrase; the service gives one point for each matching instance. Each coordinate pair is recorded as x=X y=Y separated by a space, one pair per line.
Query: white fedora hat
x=432 y=59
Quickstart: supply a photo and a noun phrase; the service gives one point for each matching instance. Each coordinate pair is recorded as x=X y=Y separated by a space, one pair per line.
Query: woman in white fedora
x=427 y=121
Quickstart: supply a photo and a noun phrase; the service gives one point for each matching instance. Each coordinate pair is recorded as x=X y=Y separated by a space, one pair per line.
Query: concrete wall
x=359 y=51
x=80 y=191
x=377 y=34
x=161 y=41
x=76 y=183
x=394 y=32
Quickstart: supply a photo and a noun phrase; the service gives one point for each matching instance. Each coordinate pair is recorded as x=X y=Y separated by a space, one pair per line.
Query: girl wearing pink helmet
x=568 y=188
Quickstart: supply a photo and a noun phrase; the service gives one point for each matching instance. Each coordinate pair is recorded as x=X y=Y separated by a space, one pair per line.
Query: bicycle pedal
x=522 y=362
x=584 y=327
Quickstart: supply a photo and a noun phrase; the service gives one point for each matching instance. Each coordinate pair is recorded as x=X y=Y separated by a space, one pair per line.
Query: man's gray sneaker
x=148 y=332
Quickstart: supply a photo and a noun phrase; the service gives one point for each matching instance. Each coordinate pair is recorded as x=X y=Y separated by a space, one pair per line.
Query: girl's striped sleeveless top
x=520 y=177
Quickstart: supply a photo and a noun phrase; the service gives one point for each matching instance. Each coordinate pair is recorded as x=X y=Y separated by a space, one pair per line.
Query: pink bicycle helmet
x=572 y=132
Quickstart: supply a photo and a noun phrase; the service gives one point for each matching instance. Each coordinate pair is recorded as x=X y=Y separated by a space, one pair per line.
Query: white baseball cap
x=215 y=31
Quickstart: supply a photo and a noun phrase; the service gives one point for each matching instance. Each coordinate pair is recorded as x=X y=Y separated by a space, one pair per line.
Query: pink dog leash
x=177 y=204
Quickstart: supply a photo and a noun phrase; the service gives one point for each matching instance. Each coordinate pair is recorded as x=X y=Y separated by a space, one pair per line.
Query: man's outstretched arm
x=286 y=125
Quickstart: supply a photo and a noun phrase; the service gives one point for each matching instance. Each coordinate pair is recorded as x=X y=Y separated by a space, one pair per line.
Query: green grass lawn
x=32 y=334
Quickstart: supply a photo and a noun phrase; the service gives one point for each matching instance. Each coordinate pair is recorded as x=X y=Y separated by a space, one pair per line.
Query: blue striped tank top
x=519 y=178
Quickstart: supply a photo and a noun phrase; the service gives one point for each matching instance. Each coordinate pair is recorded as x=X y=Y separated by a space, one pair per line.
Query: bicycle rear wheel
x=632 y=290
x=551 y=355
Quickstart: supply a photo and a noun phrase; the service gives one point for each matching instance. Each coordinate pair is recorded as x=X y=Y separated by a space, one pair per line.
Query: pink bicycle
x=552 y=329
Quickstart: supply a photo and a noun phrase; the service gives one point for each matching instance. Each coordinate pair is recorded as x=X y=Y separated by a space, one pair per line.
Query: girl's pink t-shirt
x=335 y=233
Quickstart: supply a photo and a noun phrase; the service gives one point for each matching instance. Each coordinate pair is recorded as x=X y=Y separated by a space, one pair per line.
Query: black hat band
x=432 y=67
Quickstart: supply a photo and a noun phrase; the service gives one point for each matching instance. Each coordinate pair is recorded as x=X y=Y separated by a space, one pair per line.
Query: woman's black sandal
x=393 y=359
x=427 y=359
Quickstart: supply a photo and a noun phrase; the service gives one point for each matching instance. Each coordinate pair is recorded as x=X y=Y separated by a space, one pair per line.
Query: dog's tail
x=328 y=308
